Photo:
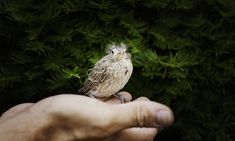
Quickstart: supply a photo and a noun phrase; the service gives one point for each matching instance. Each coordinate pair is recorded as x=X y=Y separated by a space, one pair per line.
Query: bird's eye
x=112 y=52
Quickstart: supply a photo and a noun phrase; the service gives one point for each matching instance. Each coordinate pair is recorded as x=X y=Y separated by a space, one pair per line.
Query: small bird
x=110 y=74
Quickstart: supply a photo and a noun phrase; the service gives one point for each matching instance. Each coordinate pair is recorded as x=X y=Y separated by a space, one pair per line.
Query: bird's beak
x=120 y=56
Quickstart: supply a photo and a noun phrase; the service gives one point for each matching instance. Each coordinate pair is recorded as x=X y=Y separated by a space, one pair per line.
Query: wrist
x=24 y=125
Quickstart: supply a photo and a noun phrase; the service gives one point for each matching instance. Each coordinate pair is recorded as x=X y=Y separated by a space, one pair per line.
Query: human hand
x=73 y=117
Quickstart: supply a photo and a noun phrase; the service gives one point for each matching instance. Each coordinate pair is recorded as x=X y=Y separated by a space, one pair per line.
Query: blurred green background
x=183 y=53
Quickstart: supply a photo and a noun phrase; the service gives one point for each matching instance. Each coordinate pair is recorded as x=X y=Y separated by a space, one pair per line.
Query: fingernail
x=163 y=118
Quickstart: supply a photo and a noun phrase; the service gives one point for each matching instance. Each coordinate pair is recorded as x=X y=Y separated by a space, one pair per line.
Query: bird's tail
x=80 y=91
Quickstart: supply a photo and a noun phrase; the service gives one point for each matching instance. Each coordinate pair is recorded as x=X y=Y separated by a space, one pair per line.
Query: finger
x=115 y=100
x=141 y=114
x=16 y=109
x=137 y=134
x=146 y=99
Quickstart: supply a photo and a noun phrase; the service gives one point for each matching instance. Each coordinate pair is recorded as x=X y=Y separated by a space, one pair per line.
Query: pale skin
x=70 y=117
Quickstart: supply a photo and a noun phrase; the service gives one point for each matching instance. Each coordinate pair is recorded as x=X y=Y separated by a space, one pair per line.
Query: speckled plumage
x=110 y=74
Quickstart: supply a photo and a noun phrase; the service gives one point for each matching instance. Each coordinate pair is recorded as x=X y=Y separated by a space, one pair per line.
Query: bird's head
x=118 y=52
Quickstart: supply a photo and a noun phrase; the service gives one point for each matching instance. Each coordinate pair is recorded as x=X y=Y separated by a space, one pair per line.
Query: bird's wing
x=97 y=76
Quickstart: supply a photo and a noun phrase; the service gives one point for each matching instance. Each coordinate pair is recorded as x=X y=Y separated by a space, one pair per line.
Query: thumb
x=141 y=114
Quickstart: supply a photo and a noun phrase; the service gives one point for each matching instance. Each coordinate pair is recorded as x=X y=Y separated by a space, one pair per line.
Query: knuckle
x=141 y=116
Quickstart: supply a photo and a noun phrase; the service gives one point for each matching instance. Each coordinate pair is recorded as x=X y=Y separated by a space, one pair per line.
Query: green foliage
x=183 y=54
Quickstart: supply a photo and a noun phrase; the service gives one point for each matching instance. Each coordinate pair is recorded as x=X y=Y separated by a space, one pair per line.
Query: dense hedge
x=183 y=53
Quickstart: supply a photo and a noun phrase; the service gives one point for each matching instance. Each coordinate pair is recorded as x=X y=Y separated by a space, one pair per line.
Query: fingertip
x=142 y=98
x=165 y=117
